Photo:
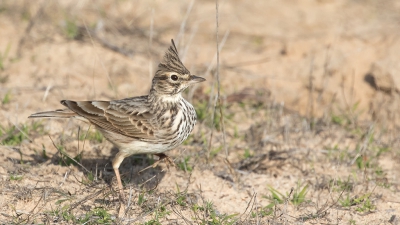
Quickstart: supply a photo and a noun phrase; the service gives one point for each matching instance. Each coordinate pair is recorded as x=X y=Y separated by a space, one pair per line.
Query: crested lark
x=150 y=124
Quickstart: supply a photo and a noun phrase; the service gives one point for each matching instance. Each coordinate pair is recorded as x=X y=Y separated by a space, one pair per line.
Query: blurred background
x=308 y=84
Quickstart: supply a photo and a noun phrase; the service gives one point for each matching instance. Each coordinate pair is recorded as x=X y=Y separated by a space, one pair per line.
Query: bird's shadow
x=132 y=169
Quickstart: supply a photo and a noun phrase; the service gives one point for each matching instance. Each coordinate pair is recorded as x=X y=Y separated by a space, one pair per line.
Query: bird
x=149 y=124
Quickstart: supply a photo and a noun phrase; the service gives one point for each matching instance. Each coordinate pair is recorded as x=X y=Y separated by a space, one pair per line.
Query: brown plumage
x=151 y=124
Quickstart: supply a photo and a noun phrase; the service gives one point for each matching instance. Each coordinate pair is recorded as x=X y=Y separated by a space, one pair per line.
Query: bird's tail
x=60 y=113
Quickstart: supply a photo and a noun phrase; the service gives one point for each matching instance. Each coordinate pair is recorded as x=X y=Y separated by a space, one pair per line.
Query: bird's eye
x=174 y=77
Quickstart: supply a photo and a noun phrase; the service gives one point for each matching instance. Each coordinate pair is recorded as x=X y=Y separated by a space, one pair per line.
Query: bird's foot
x=122 y=206
x=162 y=157
x=122 y=210
x=167 y=159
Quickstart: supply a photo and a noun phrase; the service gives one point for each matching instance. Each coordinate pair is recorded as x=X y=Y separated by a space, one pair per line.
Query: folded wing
x=121 y=117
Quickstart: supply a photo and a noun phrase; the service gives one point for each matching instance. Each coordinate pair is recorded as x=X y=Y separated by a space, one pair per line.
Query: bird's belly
x=141 y=147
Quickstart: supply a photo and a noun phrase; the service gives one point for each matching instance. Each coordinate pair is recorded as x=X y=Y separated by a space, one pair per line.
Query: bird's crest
x=171 y=61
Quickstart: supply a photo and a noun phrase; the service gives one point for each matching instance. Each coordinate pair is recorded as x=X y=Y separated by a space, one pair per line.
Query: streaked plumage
x=151 y=124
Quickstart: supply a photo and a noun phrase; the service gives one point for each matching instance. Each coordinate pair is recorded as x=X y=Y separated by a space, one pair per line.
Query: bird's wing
x=128 y=117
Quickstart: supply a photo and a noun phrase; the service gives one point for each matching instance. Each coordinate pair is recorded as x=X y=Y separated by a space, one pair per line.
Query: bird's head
x=172 y=77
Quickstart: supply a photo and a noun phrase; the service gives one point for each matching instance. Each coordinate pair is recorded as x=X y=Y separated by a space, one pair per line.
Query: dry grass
x=311 y=126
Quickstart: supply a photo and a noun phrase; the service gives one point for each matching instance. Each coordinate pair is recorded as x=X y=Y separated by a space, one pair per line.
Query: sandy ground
x=311 y=99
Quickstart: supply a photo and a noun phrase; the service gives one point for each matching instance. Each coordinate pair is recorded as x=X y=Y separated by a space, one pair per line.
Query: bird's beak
x=195 y=79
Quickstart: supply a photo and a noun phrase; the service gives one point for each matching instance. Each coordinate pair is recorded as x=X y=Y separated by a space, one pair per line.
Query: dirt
x=310 y=92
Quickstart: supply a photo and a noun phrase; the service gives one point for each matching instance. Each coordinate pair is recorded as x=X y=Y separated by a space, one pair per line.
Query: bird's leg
x=161 y=156
x=116 y=163
x=120 y=187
